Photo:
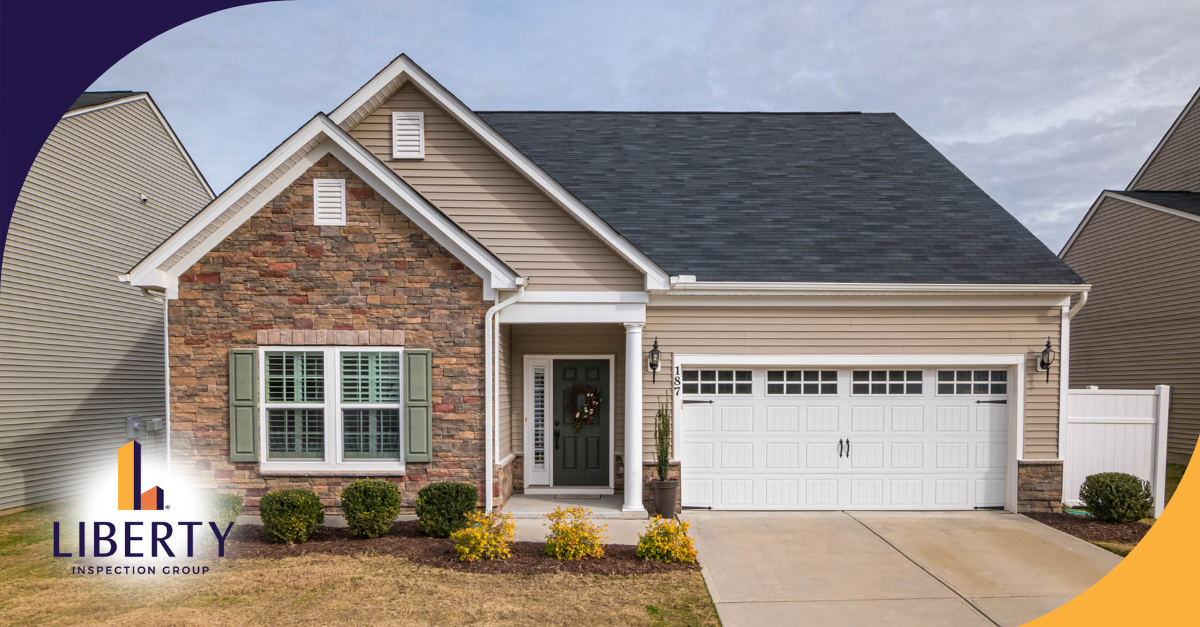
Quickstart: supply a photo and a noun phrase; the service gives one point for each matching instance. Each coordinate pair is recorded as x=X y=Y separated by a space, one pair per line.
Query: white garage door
x=848 y=438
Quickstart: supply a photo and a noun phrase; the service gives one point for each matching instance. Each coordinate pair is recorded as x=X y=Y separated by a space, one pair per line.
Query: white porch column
x=633 y=417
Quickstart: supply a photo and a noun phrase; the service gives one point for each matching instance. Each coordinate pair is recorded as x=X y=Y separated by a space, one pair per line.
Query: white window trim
x=334 y=462
x=420 y=135
x=341 y=221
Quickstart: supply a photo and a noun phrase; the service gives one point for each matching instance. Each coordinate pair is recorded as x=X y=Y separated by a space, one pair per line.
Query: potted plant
x=664 y=489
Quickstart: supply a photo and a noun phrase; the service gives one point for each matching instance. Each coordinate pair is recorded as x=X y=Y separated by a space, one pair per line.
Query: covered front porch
x=566 y=413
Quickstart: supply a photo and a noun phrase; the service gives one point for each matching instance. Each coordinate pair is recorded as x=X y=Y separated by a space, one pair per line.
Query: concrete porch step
x=607 y=507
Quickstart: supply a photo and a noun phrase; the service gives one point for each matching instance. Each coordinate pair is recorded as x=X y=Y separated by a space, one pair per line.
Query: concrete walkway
x=843 y=569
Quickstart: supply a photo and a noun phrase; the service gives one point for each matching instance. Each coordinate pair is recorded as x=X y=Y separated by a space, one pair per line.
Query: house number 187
x=678 y=381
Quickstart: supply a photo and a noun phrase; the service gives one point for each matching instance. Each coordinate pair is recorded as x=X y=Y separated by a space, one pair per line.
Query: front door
x=581 y=454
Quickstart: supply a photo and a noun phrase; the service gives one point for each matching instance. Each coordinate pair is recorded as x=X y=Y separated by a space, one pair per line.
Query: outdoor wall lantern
x=1046 y=359
x=655 y=361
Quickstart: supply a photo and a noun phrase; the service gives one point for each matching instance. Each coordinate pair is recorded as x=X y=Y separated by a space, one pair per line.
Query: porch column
x=633 y=417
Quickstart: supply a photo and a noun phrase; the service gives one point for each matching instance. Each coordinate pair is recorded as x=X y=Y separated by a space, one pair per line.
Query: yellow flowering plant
x=666 y=540
x=486 y=536
x=573 y=535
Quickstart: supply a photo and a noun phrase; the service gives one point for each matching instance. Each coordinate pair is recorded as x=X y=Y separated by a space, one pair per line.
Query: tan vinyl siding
x=505 y=393
x=1141 y=325
x=468 y=182
x=863 y=331
x=80 y=351
x=1176 y=167
x=566 y=339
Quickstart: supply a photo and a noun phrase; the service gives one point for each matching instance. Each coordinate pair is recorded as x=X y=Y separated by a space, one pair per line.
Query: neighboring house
x=1140 y=249
x=80 y=352
x=410 y=289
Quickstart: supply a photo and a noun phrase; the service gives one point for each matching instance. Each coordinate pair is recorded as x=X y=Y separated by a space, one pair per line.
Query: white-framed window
x=962 y=382
x=331 y=408
x=329 y=202
x=725 y=382
x=408 y=134
x=803 y=382
x=886 y=382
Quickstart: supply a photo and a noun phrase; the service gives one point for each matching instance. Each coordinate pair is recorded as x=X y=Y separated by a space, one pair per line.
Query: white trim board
x=402 y=68
x=1162 y=142
x=1106 y=194
x=495 y=273
x=161 y=119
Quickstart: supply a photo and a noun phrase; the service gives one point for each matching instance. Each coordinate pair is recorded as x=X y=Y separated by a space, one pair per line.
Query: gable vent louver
x=329 y=202
x=408 y=135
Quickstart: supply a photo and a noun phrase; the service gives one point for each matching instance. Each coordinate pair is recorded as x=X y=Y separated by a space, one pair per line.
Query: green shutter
x=418 y=406
x=243 y=405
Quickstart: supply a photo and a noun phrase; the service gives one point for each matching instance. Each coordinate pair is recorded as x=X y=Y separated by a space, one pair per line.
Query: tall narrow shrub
x=662 y=439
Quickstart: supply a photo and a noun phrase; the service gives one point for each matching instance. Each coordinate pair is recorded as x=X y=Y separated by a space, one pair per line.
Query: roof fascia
x=495 y=273
x=402 y=66
x=1162 y=142
x=162 y=120
x=1119 y=196
x=732 y=288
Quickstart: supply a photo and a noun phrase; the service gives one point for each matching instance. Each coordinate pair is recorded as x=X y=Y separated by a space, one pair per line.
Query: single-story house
x=1140 y=249
x=80 y=353
x=410 y=289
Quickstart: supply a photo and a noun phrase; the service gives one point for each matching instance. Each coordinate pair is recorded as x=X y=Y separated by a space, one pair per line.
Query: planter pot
x=664 y=497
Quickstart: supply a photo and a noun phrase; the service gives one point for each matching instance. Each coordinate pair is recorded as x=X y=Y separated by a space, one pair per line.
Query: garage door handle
x=847 y=447
x=839 y=448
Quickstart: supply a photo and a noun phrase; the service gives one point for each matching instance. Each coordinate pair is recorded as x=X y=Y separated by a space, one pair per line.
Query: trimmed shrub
x=666 y=540
x=573 y=535
x=288 y=516
x=1117 y=497
x=486 y=536
x=370 y=506
x=442 y=508
x=223 y=508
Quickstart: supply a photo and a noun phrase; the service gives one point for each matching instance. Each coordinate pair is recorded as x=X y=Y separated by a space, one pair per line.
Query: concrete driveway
x=841 y=569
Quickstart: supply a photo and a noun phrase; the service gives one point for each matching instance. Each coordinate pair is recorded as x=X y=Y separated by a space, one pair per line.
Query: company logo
x=129 y=481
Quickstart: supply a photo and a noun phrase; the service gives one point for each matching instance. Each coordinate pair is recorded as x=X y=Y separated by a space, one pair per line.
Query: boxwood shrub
x=370 y=506
x=288 y=516
x=442 y=508
x=1117 y=497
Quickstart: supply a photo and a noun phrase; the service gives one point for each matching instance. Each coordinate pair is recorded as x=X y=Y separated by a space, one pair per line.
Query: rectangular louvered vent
x=408 y=135
x=329 y=202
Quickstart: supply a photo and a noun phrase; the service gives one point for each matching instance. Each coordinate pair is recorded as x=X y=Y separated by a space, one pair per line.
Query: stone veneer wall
x=1039 y=486
x=279 y=273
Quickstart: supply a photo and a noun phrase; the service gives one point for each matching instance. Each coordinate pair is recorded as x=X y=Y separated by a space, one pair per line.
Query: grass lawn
x=1174 y=476
x=327 y=590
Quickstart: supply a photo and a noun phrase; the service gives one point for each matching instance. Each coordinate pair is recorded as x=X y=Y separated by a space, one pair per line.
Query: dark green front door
x=581 y=458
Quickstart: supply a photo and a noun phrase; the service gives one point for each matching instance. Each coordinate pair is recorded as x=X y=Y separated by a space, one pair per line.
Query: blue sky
x=1043 y=104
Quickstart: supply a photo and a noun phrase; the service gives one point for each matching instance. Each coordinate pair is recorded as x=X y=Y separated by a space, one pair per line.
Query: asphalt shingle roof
x=1188 y=202
x=93 y=98
x=813 y=197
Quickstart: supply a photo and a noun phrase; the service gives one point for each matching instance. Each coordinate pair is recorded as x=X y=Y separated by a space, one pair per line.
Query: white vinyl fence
x=1116 y=431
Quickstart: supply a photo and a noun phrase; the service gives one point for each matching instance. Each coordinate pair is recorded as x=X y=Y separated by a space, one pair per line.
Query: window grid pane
x=371 y=433
x=296 y=433
x=803 y=382
x=887 y=382
x=295 y=377
x=977 y=382
x=371 y=377
x=723 y=382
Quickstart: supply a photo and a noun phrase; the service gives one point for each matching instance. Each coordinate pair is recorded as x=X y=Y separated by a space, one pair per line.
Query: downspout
x=1064 y=370
x=1079 y=305
x=492 y=384
x=166 y=368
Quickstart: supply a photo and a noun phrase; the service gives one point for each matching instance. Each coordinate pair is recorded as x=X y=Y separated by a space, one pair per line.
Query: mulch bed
x=1088 y=528
x=407 y=541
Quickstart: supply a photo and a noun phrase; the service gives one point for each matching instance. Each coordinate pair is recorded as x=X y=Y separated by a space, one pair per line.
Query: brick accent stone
x=502 y=484
x=378 y=280
x=1039 y=486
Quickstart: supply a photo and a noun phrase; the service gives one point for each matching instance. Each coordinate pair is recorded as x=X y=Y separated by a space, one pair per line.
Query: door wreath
x=583 y=416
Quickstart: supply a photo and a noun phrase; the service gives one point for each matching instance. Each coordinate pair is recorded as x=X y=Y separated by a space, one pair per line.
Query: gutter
x=492 y=375
x=686 y=284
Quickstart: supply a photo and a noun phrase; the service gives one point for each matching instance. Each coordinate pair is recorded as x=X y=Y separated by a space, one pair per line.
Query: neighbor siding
x=1176 y=167
x=1141 y=324
x=80 y=351
x=862 y=331
x=469 y=182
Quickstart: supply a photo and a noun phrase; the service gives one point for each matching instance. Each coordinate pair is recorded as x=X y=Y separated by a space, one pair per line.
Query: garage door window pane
x=725 y=382
x=889 y=382
x=978 y=382
x=804 y=382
